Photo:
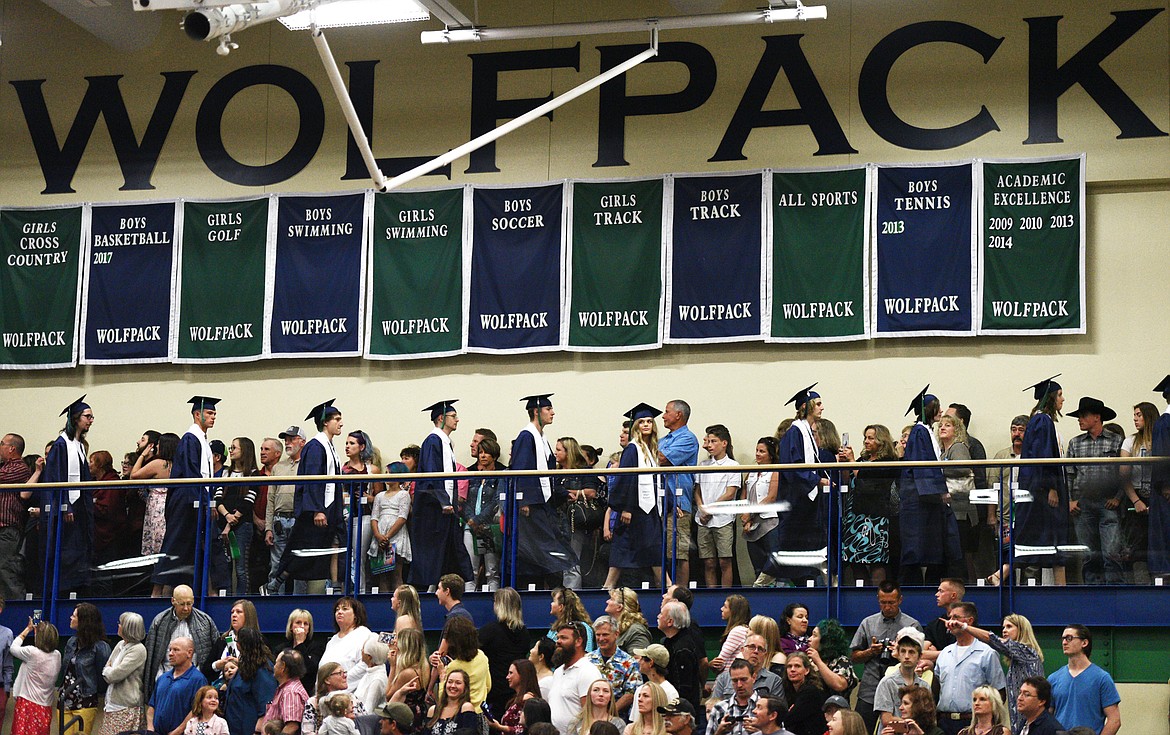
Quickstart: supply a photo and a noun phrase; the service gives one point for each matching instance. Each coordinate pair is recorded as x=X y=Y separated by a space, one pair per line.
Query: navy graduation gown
x=1159 y=547
x=76 y=537
x=638 y=544
x=309 y=500
x=801 y=528
x=435 y=537
x=930 y=533
x=178 y=566
x=542 y=546
x=1037 y=523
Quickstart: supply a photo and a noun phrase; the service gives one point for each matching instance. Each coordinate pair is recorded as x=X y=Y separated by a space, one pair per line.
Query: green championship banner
x=223 y=281
x=416 y=277
x=39 y=287
x=1032 y=259
x=615 y=266
x=818 y=259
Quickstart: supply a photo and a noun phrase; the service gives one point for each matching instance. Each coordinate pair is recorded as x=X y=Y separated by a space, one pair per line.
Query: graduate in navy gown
x=71 y=509
x=1043 y=522
x=802 y=528
x=930 y=533
x=434 y=521
x=1159 y=545
x=634 y=500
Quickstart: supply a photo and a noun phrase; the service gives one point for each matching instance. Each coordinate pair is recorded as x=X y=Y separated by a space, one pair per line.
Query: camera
x=887 y=657
x=900 y=726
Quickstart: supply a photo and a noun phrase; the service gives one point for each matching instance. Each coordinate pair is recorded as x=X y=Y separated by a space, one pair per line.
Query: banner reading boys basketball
x=129 y=279
x=925 y=259
x=39 y=273
x=714 y=288
x=615 y=266
x=416 y=284
x=1032 y=257
x=317 y=295
x=223 y=272
x=820 y=239
x=516 y=287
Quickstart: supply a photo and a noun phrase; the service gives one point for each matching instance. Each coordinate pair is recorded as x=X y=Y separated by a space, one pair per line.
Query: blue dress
x=542 y=546
x=1159 y=550
x=930 y=533
x=638 y=544
x=1037 y=523
x=178 y=566
x=76 y=537
x=435 y=534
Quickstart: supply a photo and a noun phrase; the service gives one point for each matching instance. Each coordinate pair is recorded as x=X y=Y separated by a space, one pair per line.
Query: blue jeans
x=1099 y=528
x=221 y=563
x=281 y=528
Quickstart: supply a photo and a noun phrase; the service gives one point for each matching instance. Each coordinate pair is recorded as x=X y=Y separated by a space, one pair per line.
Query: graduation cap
x=642 y=411
x=918 y=405
x=441 y=408
x=1044 y=387
x=322 y=411
x=803 y=396
x=537 y=401
x=203 y=403
x=76 y=407
x=1163 y=388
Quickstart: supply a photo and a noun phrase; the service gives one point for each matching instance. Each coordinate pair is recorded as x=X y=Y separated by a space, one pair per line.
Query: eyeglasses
x=1067 y=638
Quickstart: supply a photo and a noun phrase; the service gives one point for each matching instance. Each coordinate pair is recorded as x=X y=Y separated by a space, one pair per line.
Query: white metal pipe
x=347 y=108
x=209 y=23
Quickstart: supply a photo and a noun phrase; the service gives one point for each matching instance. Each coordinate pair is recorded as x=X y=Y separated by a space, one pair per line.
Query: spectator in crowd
x=805 y=694
x=716 y=531
x=453 y=711
x=571 y=680
x=331 y=680
x=844 y=721
x=767 y=627
x=737 y=613
x=1033 y=705
x=950 y=590
x=288 y=702
x=793 y=625
x=13 y=471
x=918 y=713
x=251 y=683
x=123 y=675
x=395 y=718
x=873 y=645
x=600 y=707
x=1095 y=492
x=828 y=649
x=962 y=666
x=887 y=702
x=960 y=481
x=350 y=634
x=685 y=649
x=521 y=681
x=647 y=720
x=155 y=462
x=462 y=642
x=989 y=715
x=407 y=608
x=727 y=716
x=623 y=606
x=542 y=656
x=980 y=524
x=298 y=634
x=6 y=638
x=504 y=640
x=226 y=649
x=1082 y=692
x=760 y=529
x=679 y=717
x=233 y=505
x=1159 y=539
x=692 y=629
x=767 y=683
x=86 y=654
x=204 y=718
x=769 y=717
x=449 y=593
x=1135 y=526
x=566 y=608
x=35 y=681
x=480 y=515
x=169 y=706
x=409 y=672
x=181 y=619
x=679 y=448
x=653 y=663
x=620 y=668
x=279 y=512
x=389 y=531
x=584 y=501
x=1019 y=649
x=360 y=460
x=109 y=510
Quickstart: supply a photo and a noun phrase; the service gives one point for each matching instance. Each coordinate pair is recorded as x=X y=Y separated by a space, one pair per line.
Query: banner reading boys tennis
x=222 y=280
x=39 y=273
x=129 y=277
x=615 y=266
x=317 y=292
x=416 y=288
x=924 y=267
x=1032 y=279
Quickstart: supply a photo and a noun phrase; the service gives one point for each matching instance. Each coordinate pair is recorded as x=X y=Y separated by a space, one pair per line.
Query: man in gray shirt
x=873 y=645
x=766 y=683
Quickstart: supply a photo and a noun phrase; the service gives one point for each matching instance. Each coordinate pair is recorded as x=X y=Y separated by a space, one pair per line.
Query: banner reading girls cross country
x=615 y=266
x=317 y=294
x=1032 y=258
x=715 y=289
x=223 y=272
x=516 y=287
x=416 y=284
x=39 y=272
x=820 y=238
x=129 y=279
x=925 y=251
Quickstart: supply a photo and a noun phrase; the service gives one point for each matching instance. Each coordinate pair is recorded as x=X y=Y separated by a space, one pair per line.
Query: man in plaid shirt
x=727 y=716
x=1095 y=492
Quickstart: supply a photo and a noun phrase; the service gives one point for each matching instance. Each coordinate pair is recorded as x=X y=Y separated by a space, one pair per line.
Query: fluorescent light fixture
x=356 y=13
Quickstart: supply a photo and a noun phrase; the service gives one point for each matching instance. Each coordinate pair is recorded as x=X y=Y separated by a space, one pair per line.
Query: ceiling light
x=356 y=13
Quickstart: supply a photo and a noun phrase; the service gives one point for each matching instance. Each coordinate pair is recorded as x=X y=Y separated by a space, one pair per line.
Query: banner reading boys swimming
x=416 y=288
x=129 y=278
x=223 y=255
x=714 y=288
x=1032 y=279
x=516 y=289
x=820 y=239
x=317 y=293
x=925 y=243
x=615 y=266
x=39 y=272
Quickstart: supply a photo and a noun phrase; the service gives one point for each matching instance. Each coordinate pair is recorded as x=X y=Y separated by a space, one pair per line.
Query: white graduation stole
x=75 y=455
x=647 y=497
x=448 y=462
x=332 y=467
x=811 y=455
x=543 y=453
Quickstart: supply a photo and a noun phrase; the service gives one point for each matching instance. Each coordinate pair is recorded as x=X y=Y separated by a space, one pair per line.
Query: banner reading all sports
x=925 y=243
x=317 y=295
x=715 y=289
x=516 y=288
x=39 y=276
x=1032 y=274
x=129 y=279
x=416 y=288
x=820 y=238
x=615 y=266
x=223 y=255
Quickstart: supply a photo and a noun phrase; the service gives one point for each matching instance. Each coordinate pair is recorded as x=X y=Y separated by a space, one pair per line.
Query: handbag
x=385 y=561
x=585 y=514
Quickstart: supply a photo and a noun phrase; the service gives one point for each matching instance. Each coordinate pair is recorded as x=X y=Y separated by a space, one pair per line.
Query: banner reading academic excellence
x=615 y=266
x=1032 y=279
x=317 y=294
x=715 y=288
x=820 y=239
x=924 y=267
x=222 y=276
x=516 y=269
x=416 y=284
x=39 y=272
x=129 y=279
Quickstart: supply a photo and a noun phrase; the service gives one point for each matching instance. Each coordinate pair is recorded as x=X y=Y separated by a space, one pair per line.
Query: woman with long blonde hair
x=404 y=602
x=1135 y=527
x=989 y=715
x=647 y=720
x=637 y=532
x=623 y=606
x=600 y=706
x=409 y=672
x=566 y=608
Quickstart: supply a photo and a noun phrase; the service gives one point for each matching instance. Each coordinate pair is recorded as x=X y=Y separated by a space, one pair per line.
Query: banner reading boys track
x=317 y=293
x=516 y=269
x=416 y=288
x=129 y=277
x=222 y=277
x=714 y=290
x=925 y=242
x=820 y=239
x=40 y=270
x=1032 y=278
x=615 y=265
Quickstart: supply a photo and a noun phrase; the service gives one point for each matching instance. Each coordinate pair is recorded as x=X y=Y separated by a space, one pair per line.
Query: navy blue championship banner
x=926 y=251
x=516 y=269
x=715 y=290
x=129 y=282
x=317 y=296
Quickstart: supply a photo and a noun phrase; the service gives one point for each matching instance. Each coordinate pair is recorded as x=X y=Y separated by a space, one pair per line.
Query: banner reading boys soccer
x=925 y=242
x=129 y=279
x=317 y=293
x=615 y=266
x=39 y=272
x=820 y=239
x=1032 y=257
x=416 y=285
x=223 y=256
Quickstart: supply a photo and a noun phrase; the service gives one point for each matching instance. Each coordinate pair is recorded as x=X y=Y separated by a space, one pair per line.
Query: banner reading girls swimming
x=317 y=294
x=39 y=272
x=714 y=287
x=516 y=256
x=925 y=251
x=129 y=280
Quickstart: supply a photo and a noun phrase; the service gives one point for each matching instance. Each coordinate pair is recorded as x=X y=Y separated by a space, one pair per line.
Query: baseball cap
x=913 y=634
x=656 y=652
x=677 y=707
x=398 y=712
x=292 y=431
x=836 y=701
